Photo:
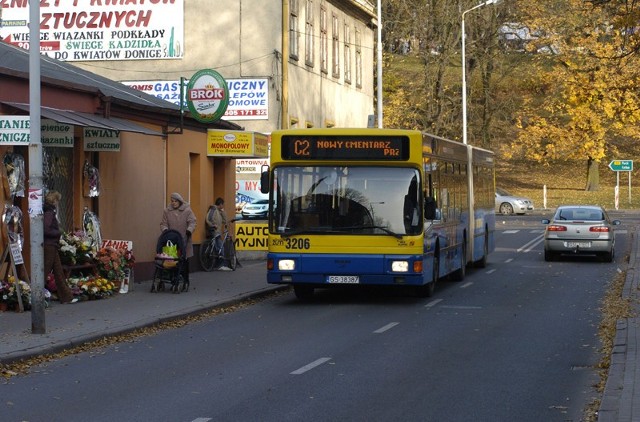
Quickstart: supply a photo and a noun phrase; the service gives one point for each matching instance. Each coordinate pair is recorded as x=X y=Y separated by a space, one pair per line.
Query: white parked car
x=256 y=209
x=506 y=203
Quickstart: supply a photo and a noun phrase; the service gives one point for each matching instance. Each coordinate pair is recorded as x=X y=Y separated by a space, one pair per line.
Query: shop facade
x=111 y=151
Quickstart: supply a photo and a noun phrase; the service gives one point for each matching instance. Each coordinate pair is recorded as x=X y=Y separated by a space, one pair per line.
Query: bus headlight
x=400 y=266
x=286 y=265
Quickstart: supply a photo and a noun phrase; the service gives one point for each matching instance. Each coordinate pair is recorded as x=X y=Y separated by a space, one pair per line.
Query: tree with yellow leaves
x=589 y=85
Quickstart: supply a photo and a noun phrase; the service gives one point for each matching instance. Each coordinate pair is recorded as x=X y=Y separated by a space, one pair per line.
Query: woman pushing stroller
x=179 y=216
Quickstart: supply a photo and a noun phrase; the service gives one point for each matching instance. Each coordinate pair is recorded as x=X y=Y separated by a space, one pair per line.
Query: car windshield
x=347 y=199
x=584 y=214
x=502 y=192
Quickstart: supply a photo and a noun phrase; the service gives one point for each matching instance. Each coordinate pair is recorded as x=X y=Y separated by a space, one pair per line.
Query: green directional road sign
x=621 y=165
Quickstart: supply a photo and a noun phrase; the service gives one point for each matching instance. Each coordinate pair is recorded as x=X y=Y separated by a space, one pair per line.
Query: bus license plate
x=577 y=244
x=343 y=279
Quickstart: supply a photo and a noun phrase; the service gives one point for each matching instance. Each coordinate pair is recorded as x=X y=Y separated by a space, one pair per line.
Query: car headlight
x=286 y=265
x=400 y=266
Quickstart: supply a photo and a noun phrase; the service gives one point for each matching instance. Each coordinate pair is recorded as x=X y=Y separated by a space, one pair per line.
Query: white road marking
x=490 y=271
x=461 y=307
x=201 y=420
x=386 y=327
x=310 y=366
x=433 y=303
x=467 y=284
x=527 y=247
x=508 y=260
x=510 y=231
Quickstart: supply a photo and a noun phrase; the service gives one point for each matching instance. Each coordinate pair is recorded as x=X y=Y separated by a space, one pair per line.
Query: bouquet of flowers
x=4 y=291
x=9 y=292
x=113 y=263
x=75 y=248
x=91 y=288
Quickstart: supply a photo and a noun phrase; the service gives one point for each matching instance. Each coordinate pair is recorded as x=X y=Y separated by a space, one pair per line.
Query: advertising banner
x=83 y=30
x=235 y=143
x=248 y=98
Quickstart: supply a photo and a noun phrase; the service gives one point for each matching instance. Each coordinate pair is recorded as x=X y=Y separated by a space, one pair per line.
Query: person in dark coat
x=179 y=216
x=51 y=246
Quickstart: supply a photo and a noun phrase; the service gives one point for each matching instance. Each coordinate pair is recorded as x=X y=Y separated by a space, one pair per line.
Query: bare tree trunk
x=593 y=175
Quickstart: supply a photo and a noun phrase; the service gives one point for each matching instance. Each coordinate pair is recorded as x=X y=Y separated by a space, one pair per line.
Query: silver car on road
x=580 y=229
x=506 y=203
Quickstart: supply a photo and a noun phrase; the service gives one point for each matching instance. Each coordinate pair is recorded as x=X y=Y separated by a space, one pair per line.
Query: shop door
x=57 y=173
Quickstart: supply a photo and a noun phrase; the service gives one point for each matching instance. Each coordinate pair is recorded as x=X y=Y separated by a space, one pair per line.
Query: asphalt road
x=514 y=341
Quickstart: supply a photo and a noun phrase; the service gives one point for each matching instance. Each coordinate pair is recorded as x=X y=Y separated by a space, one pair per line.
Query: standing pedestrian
x=179 y=216
x=51 y=244
x=217 y=224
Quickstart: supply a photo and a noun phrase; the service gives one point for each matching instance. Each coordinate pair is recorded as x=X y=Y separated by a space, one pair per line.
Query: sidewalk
x=82 y=322
x=621 y=398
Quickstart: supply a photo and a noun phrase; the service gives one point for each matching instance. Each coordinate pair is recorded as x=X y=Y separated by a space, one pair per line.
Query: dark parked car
x=580 y=229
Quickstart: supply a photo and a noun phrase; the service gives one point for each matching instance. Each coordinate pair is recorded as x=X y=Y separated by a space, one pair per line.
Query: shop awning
x=78 y=118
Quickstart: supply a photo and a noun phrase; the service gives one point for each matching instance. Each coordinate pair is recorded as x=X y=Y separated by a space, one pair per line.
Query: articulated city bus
x=376 y=207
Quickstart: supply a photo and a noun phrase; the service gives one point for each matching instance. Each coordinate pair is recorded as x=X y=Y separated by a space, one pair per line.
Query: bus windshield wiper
x=306 y=230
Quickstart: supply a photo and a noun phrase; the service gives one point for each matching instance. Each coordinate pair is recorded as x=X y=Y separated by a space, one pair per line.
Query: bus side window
x=429 y=208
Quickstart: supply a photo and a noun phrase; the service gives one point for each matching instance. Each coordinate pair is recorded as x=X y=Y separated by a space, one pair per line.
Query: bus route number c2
x=296 y=243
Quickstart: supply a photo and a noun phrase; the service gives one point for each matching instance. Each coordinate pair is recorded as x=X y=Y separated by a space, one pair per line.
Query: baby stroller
x=169 y=269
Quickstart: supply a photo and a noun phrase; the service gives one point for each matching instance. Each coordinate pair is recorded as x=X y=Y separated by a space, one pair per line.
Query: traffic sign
x=621 y=165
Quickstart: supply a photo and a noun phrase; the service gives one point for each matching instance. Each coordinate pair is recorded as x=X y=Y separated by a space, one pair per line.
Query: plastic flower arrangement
x=113 y=263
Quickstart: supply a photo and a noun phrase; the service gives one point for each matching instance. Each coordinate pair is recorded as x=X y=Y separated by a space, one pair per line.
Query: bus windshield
x=347 y=200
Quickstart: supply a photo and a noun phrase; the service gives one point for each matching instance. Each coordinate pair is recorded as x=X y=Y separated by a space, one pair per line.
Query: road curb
x=619 y=403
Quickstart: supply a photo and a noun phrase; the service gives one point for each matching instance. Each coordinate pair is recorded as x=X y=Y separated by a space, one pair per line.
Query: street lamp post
x=464 y=69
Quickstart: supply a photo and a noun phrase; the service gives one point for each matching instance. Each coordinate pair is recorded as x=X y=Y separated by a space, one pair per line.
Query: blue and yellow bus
x=376 y=207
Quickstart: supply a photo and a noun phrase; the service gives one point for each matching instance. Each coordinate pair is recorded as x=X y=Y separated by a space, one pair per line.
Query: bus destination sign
x=297 y=147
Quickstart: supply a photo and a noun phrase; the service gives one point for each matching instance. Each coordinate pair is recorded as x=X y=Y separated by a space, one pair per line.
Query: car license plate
x=577 y=244
x=343 y=279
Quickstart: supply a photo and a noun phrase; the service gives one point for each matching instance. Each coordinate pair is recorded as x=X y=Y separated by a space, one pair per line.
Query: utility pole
x=35 y=175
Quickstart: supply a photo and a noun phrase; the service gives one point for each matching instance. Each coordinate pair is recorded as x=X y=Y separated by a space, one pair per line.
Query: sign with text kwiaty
x=81 y=30
x=14 y=130
x=101 y=140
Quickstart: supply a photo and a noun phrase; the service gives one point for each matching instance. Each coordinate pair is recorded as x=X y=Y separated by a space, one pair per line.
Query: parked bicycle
x=212 y=257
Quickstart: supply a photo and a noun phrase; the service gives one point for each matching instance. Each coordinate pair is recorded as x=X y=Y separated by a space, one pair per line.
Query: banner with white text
x=85 y=30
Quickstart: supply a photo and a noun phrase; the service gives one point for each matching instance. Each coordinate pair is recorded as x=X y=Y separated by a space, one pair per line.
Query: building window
x=324 y=41
x=347 y=53
x=294 y=33
x=309 y=35
x=335 y=46
x=358 y=59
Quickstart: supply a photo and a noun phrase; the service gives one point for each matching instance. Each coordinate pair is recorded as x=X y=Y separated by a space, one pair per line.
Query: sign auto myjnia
x=207 y=95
